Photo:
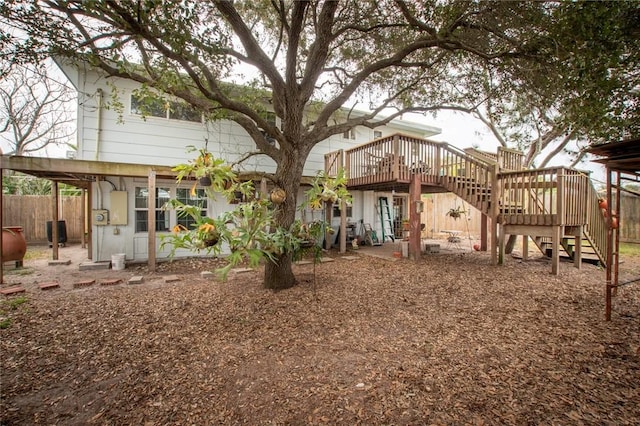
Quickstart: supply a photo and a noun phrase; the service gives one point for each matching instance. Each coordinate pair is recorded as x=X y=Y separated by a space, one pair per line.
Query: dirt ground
x=449 y=339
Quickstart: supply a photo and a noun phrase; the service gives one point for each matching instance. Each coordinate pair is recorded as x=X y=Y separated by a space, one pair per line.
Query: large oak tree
x=313 y=57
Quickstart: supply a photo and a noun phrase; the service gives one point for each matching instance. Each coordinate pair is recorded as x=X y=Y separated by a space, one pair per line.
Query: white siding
x=115 y=136
x=129 y=138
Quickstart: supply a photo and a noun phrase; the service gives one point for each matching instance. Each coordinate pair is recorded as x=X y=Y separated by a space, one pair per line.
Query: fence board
x=33 y=211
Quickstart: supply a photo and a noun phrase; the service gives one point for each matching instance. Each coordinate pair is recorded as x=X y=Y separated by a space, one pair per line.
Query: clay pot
x=602 y=203
x=14 y=245
x=614 y=222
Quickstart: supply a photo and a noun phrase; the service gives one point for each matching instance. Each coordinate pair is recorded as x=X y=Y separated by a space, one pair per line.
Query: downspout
x=98 y=122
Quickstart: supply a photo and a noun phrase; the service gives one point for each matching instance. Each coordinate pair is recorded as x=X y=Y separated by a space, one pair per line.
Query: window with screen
x=185 y=197
x=142 y=208
x=150 y=106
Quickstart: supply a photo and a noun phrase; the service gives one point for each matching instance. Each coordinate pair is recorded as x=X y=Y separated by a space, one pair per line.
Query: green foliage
x=205 y=165
x=327 y=189
x=249 y=231
x=19 y=184
x=629 y=249
x=456 y=212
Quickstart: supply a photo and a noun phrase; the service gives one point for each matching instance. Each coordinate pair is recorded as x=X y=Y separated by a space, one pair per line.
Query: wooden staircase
x=538 y=203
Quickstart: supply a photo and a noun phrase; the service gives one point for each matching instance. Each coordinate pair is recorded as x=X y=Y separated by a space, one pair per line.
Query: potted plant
x=208 y=171
x=456 y=212
x=405 y=224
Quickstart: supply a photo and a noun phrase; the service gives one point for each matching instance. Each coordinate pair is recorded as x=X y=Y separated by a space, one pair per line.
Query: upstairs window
x=349 y=134
x=377 y=134
x=149 y=106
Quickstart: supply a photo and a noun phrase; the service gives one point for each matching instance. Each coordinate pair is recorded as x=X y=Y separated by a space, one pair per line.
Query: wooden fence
x=32 y=212
x=630 y=218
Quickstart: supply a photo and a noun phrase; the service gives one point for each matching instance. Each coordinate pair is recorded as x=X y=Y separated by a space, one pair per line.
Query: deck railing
x=333 y=161
x=510 y=159
x=467 y=177
x=394 y=158
x=596 y=225
x=550 y=196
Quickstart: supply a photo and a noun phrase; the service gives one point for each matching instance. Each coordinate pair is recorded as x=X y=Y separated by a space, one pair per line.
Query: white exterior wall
x=105 y=134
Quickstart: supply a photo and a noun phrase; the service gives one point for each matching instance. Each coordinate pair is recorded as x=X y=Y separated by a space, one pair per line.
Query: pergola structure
x=622 y=162
x=80 y=173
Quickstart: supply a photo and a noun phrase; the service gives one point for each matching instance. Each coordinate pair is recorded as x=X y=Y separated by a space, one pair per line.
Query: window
x=141 y=209
x=377 y=134
x=349 y=134
x=157 y=107
x=336 y=211
x=200 y=199
x=148 y=106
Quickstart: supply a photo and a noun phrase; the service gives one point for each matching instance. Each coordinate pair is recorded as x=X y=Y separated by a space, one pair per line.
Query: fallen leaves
x=446 y=340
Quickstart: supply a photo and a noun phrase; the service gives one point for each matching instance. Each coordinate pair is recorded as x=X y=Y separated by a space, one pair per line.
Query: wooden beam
x=555 y=249
x=495 y=211
x=501 y=244
x=42 y=165
x=414 y=217
x=83 y=217
x=577 y=248
x=54 y=220
x=484 y=226
x=343 y=228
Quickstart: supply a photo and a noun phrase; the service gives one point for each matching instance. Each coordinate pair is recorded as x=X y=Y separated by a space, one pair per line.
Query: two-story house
x=123 y=139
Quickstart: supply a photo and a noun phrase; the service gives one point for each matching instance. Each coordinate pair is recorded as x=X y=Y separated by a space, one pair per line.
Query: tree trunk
x=278 y=275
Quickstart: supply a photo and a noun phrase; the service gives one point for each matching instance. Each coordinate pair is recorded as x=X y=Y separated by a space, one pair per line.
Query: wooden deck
x=496 y=184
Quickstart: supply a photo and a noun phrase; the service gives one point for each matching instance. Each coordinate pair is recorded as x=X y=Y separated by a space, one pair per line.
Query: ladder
x=385 y=219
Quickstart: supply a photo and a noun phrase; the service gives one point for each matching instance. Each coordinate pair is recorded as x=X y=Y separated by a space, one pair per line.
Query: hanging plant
x=205 y=181
x=210 y=172
x=455 y=213
x=326 y=189
x=277 y=196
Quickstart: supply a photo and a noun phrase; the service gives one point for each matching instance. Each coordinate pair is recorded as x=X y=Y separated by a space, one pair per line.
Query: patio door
x=399 y=212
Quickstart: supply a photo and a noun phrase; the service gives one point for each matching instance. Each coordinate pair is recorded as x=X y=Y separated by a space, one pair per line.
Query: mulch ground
x=446 y=340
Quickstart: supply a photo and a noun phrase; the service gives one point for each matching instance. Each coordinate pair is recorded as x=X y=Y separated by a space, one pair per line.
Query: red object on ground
x=476 y=247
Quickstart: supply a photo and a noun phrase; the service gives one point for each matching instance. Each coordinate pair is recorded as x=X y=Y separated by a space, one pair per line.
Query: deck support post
x=495 y=211
x=343 y=227
x=556 y=231
x=328 y=215
x=54 y=220
x=525 y=247
x=501 y=244
x=415 y=192
x=484 y=227
x=577 y=248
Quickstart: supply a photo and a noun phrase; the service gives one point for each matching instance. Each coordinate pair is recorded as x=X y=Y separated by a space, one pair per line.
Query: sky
x=463 y=131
